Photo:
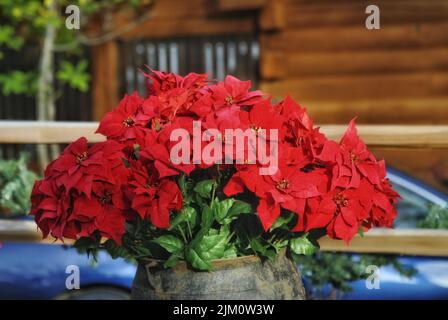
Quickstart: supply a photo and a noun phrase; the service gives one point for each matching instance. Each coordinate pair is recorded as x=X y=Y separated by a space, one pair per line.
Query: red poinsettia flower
x=77 y=167
x=171 y=95
x=164 y=81
x=153 y=198
x=353 y=160
x=341 y=211
x=127 y=121
x=51 y=207
x=103 y=212
x=223 y=102
x=233 y=91
x=113 y=154
x=157 y=149
x=383 y=209
x=298 y=128
x=262 y=116
x=288 y=188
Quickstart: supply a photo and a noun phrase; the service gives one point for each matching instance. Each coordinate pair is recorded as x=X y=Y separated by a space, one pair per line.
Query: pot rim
x=216 y=263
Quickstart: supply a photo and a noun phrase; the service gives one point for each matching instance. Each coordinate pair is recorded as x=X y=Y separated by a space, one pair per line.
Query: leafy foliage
x=76 y=76
x=437 y=218
x=16 y=182
x=18 y=82
x=9 y=39
x=24 y=21
x=339 y=269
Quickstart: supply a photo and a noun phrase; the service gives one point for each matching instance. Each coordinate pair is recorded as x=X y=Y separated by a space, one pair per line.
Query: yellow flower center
x=340 y=200
x=80 y=157
x=229 y=100
x=283 y=184
x=106 y=198
x=129 y=122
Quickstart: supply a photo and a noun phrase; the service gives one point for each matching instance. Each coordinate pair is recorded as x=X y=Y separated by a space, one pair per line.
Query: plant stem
x=231 y=235
x=213 y=193
x=189 y=230
x=183 y=234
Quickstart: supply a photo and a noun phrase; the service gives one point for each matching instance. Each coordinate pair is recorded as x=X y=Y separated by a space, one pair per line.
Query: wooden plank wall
x=322 y=54
x=326 y=58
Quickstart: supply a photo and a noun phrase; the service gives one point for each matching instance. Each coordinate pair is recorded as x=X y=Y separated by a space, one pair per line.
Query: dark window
x=412 y=208
x=217 y=56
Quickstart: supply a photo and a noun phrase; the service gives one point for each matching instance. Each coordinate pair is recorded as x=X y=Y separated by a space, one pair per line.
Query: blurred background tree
x=16 y=183
x=43 y=23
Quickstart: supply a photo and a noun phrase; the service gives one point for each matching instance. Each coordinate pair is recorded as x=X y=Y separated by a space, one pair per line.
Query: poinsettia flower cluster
x=339 y=187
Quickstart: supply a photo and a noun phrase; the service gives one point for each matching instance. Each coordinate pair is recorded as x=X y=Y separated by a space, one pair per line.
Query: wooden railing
x=396 y=136
x=414 y=242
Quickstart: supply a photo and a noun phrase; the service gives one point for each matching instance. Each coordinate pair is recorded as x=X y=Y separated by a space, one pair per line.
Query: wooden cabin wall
x=323 y=55
x=326 y=58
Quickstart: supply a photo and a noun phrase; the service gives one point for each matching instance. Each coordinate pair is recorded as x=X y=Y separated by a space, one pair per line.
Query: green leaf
x=136 y=151
x=207 y=217
x=187 y=214
x=221 y=209
x=239 y=207
x=170 y=243
x=229 y=209
x=230 y=252
x=213 y=247
x=213 y=232
x=172 y=260
x=262 y=249
x=126 y=162
x=204 y=188
x=282 y=221
x=17 y=82
x=196 y=261
x=76 y=76
x=280 y=245
x=361 y=231
x=157 y=125
x=8 y=38
x=184 y=185
x=116 y=251
x=302 y=246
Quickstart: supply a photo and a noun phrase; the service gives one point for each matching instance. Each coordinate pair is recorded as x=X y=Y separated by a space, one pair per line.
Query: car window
x=411 y=208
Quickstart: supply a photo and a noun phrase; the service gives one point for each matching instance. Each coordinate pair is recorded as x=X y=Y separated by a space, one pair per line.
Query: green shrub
x=16 y=183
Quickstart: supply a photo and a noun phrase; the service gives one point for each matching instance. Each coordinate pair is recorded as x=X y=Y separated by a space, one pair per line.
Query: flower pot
x=239 y=278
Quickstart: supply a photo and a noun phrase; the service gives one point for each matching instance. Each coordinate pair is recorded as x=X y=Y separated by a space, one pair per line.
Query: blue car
x=30 y=269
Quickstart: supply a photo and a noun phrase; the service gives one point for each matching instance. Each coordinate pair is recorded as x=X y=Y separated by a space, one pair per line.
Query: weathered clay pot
x=239 y=278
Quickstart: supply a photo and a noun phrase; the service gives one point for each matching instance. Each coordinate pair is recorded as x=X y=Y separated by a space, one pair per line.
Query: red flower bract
x=127 y=121
x=152 y=198
x=94 y=191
